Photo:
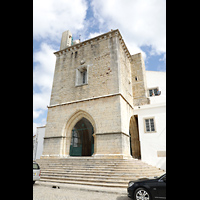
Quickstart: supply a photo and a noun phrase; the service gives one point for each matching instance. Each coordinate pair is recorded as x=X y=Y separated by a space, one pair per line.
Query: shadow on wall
x=162 y=164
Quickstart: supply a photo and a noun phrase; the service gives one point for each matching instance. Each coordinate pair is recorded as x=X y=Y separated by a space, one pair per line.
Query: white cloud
x=44 y=68
x=36 y=113
x=52 y=17
x=40 y=101
x=42 y=78
x=141 y=22
x=34 y=128
x=95 y=34
x=163 y=58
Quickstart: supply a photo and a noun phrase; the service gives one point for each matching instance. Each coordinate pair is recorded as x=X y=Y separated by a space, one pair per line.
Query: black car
x=148 y=189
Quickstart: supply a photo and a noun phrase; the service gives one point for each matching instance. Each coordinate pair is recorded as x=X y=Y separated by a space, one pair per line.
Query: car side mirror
x=164 y=180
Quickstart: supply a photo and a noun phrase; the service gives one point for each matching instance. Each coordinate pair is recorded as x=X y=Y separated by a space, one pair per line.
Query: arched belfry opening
x=134 y=139
x=82 y=141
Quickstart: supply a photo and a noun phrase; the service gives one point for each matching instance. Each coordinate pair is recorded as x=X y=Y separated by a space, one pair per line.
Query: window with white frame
x=149 y=125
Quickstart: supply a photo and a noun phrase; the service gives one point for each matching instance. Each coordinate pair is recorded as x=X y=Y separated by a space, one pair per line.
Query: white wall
x=40 y=140
x=157 y=79
x=34 y=147
x=153 y=145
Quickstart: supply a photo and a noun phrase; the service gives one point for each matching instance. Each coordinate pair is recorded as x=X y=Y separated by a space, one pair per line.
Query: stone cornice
x=89 y=99
x=112 y=33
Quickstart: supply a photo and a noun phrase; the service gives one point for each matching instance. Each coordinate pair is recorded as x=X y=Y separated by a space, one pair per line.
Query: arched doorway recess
x=82 y=141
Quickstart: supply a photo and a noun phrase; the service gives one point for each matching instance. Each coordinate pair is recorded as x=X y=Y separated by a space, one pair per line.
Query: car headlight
x=130 y=184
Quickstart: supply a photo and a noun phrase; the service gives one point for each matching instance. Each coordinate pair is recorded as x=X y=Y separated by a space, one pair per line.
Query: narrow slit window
x=84 y=77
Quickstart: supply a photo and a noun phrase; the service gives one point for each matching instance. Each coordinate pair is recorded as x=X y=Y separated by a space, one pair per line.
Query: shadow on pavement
x=123 y=198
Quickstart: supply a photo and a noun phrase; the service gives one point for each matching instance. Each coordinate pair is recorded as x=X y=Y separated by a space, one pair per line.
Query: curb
x=83 y=187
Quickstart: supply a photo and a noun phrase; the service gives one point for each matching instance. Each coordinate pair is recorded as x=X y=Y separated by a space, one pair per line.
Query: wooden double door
x=82 y=141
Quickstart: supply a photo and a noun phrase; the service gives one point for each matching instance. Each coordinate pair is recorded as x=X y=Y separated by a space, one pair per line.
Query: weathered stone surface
x=112 y=83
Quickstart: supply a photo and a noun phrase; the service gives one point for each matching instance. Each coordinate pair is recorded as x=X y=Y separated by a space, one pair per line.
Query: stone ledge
x=111 y=133
x=93 y=98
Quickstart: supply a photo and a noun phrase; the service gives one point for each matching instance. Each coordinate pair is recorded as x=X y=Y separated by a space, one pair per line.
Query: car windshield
x=36 y=166
x=163 y=177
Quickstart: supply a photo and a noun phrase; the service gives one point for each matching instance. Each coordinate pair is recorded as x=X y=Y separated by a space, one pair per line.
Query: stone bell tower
x=92 y=98
x=66 y=40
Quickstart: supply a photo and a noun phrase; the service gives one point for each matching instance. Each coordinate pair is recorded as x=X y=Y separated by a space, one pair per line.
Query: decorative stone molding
x=112 y=33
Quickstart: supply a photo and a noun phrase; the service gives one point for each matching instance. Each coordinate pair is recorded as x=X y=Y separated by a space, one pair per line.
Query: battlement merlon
x=109 y=34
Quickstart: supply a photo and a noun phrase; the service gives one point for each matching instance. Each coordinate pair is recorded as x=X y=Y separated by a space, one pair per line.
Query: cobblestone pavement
x=42 y=192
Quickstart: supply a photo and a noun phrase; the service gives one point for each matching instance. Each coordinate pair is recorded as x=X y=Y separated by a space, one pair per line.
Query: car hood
x=145 y=180
x=150 y=179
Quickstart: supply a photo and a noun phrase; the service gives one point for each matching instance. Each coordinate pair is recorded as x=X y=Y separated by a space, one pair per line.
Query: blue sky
x=142 y=24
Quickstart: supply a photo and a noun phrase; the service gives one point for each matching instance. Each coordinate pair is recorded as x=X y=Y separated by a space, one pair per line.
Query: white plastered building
x=152 y=121
x=38 y=140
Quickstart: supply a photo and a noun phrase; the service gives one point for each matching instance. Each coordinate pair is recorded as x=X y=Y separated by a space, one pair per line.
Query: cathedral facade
x=97 y=86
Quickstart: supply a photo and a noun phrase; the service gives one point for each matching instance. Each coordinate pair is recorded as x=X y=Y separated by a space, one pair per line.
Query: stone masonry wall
x=139 y=86
x=100 y=58
x=108 y=96
x=107 y=120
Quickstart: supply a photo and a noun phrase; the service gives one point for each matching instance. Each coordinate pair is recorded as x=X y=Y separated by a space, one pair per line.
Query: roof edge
x=109 y=34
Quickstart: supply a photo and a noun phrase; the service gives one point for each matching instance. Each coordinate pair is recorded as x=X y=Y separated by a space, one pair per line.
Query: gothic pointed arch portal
x=80 y=132
x=82 y=141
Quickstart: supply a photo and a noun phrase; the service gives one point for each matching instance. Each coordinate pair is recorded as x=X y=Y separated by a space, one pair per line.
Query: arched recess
x=71 y=123
x=134 y=140
x=82 y=142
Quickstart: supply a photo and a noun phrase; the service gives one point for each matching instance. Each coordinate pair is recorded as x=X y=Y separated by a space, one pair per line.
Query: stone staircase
x=95 y=172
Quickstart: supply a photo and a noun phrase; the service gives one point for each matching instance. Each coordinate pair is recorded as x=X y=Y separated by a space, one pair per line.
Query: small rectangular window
x=154 y=92
x=81 y=76
x=149 y=125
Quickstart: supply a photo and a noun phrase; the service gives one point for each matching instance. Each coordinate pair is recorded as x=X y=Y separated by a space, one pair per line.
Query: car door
x=161 y=188
x=36 y=171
